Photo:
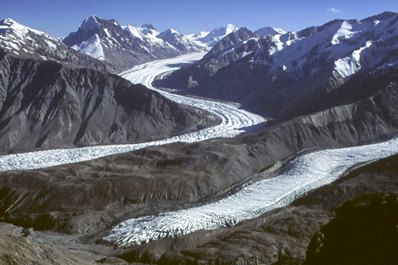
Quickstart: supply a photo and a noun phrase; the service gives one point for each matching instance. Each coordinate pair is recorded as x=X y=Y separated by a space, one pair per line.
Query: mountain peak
x=231 y=27
x=217 y=34
x=9 y=23
x=269 y=31
x=224 y=30
x=90 y=23
x=93 y=23
x=170 y=31
x=180 y=41
x=148 y=26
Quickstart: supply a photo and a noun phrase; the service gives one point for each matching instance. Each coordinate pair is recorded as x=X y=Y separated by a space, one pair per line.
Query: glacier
x=297 y=176
x=234 y=121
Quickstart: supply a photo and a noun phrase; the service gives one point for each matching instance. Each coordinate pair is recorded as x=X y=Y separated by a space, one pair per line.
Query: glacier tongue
x=298 y=176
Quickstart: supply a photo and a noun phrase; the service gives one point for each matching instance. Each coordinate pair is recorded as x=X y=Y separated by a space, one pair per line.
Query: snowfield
x=234 y=122
x=298 y=176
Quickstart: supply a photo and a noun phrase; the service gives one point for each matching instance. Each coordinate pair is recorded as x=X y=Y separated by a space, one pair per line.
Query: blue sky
x=59 y=17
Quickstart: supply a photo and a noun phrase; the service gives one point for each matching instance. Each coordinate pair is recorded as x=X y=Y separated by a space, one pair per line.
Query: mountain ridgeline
x=24 y=42
x=283 y=75
x=126 y=46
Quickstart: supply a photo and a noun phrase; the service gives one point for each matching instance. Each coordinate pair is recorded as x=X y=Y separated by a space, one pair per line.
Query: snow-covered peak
x=136 y=32
x=90 y=24
x=22 y=40
x=108 y=30
x=196 y=36
x=26 y=42
x=269 y=31
x=222 y=31
x=95 y=24
x=345 y=46
x=180 y=41
x=217 y=34
x=16 y=27
x=229 y=28
x=169 y=32
x=148 y=26
x=125 y=46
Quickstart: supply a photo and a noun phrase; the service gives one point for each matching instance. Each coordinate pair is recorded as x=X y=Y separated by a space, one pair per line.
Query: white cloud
x=334 y=10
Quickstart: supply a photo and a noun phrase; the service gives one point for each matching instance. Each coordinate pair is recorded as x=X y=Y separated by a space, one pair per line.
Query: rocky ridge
x=44 y=104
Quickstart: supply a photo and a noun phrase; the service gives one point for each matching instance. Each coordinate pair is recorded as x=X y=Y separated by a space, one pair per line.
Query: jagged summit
x=269 y=31
x=90 y=23
x=148 y=26
x=217 y=34
x=224 y=30
x=126 y=46
x=26 y=42
x=180 y=41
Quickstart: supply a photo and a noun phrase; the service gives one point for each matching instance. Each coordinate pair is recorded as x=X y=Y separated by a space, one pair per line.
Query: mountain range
x=52 y=95
x=114 y=47
x=283 y=75
x=24 y=42
x=328 y=86
x=125 y=46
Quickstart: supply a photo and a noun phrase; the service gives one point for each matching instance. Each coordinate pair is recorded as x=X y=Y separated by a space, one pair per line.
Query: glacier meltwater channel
x=233 y=122
x=298 y=176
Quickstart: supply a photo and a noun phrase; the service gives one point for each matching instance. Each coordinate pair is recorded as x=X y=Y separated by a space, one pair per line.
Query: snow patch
x=350 y=65
x=344 y=32
x=51 y=45
x=92 y=47
x=134 y=31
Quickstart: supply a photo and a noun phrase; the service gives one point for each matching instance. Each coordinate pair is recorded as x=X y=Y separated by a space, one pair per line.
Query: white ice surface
x=234 y=122
x=298 y=176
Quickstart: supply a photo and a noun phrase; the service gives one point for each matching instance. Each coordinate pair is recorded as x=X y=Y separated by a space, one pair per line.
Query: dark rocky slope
x=364 y=231
x=44 y=104
x=226 y=51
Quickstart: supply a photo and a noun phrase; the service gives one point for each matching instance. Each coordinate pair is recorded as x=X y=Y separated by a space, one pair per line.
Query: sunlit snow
x=92 y=47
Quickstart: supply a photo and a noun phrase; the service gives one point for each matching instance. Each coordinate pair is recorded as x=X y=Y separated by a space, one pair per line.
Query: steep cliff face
x=46 y=105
